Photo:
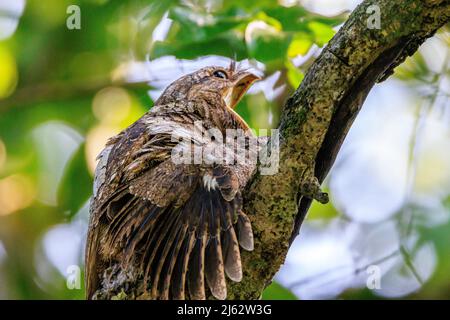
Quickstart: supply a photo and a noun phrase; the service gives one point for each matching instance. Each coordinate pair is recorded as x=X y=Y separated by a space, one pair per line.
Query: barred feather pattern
x=181 y=247
x=180 y=225
x=196 y=242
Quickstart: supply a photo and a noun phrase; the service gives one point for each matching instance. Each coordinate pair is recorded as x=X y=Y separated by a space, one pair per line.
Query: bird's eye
x=220 y=74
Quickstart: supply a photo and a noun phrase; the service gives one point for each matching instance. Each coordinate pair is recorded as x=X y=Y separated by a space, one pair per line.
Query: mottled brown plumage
x=175 y=226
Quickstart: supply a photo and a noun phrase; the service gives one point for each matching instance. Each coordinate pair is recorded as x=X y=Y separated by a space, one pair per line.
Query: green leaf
x=291 y=18
x=299 y=45
x=226 y=45
x=297 y=18
x=199 y=27
x=294 y=75
x=75 y=187
x=322 y=32
x=277 y=292
x=265 y=43
x=261 y=16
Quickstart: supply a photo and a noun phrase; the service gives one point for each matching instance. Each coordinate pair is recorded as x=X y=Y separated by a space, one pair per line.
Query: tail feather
x=244 y=227
x=179 y=273
x=153 y=249
x=196 y=282
x=233 y=266
x=182 y=249
x=137 y=235
x=214 y=269
x=169 y=245
x=171 y=260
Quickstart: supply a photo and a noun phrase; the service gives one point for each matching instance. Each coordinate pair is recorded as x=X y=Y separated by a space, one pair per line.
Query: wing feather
x=180 y=225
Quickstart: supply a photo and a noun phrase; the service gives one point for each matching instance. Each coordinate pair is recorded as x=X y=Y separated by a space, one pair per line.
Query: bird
x=170 y=223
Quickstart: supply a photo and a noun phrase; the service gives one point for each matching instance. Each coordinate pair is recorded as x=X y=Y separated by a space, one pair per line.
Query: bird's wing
x=180 y=223
x=121 y=160
x=192 y=237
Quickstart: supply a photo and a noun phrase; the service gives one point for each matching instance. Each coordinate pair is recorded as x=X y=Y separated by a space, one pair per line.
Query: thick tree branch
x=317 y=118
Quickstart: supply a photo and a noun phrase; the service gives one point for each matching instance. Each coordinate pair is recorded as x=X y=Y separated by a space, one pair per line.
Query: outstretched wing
x=180 y=224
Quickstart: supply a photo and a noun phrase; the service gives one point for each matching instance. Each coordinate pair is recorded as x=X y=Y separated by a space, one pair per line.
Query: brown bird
x=170 y=225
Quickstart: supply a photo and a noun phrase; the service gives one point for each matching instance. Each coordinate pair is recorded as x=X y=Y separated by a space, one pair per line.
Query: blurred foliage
x=60 y=99
x=70 y=195
x=276 y=292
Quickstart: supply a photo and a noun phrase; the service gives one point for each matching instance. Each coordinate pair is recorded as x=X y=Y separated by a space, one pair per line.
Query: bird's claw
x=310 y=188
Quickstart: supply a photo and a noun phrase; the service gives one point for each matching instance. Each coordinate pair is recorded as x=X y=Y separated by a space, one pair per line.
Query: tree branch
x=316 y=119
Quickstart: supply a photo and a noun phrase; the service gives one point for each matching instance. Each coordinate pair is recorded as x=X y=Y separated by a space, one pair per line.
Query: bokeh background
x=64 y=92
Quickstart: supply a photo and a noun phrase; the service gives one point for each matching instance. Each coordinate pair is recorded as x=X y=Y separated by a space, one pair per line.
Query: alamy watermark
x=374 y=20
x=373 y=277
x=73 y=21
x=73 y=277
x=197 y=145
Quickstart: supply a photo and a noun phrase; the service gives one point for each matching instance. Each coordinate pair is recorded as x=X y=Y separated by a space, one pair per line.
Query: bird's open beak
x=241 y=83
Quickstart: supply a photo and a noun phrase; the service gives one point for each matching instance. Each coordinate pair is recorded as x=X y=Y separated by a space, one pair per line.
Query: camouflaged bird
x=176 y=227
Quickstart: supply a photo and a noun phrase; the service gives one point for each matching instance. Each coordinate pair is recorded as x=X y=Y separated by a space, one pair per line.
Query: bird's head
x=230 y=84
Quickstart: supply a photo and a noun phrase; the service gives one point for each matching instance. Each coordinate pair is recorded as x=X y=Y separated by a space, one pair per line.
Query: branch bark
x=316 y=119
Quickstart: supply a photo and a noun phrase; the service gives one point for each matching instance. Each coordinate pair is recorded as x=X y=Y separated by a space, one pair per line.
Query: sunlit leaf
x=274 y=23
x=265 y=43
x=299 y=45
x=8 y=72
x=322 y=32
x=295 y=76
